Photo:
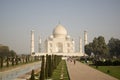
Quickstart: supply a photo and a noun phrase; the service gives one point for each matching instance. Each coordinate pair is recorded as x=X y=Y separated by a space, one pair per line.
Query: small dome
x=60 y=31
x=68 y=37
x=51 y=37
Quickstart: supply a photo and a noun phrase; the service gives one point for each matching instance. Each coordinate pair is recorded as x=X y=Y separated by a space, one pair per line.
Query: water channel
x=14 y=73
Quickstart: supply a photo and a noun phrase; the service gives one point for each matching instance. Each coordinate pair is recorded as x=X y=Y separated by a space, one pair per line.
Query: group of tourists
x=70 y=59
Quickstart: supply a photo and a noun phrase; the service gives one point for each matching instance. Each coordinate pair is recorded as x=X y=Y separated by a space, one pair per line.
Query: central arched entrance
x=59 y=47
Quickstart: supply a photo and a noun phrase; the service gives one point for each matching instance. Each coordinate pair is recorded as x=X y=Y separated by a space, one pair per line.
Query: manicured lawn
x=111 y=70
x=57 y=72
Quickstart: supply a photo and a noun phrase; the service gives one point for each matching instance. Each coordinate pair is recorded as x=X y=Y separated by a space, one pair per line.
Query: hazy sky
x=19 y=17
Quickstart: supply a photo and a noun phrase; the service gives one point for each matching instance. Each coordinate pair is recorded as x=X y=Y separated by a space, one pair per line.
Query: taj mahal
x=59 y=43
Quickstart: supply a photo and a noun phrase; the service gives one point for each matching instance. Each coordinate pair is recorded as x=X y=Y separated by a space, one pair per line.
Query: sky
x=19 y=17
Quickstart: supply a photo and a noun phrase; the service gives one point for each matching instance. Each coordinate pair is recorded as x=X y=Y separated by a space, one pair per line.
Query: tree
x=55 y=62
x=12 y=53
x=26 y=59
x=1 y=62
x=42 y=70
x=16 y=60
x=114 y=47
x=52 y=64
x=95 y=46
x=88 y=49
x=7 y=60
x=98 y=47
x=46 y=67
x=32 y=75
x=13 y=60
x=4 y=50
x=23 y=58
x=102 y=47
x=49 y=66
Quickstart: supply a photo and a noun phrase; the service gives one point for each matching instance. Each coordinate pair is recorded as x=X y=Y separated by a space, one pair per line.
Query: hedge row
x=107 y=63
x=48 y=66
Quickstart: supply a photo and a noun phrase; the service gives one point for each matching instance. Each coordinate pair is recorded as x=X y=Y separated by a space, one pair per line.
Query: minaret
x=32 y=42
x=85 y=38
x=39 y=45
x=80 y=45
x=73 y=45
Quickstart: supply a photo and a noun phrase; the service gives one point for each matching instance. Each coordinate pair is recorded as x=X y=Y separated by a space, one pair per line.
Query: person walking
x=74 y=61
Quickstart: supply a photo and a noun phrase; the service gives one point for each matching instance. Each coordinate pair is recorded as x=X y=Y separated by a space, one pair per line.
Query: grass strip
x=58 y=71
x=110 y=70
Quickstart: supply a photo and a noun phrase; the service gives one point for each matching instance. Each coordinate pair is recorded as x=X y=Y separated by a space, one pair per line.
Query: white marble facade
x=60 y=41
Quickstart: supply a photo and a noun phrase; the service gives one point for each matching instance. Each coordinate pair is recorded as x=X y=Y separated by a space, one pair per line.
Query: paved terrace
x=80 y=71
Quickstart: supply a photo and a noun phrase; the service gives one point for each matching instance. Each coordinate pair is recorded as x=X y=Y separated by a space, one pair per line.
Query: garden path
x=80 y=71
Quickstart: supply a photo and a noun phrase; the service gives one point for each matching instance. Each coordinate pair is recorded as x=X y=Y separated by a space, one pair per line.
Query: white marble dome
x=59 y=31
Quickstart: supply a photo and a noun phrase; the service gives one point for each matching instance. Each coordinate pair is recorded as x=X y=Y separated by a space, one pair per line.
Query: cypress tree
x=1 y=61
x=42 y=70
x=55 y=63
x=32 y=75
x=50 y=67
x=46 y=67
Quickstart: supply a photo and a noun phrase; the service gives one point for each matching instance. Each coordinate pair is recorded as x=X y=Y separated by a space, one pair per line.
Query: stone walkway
x=80 y=71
